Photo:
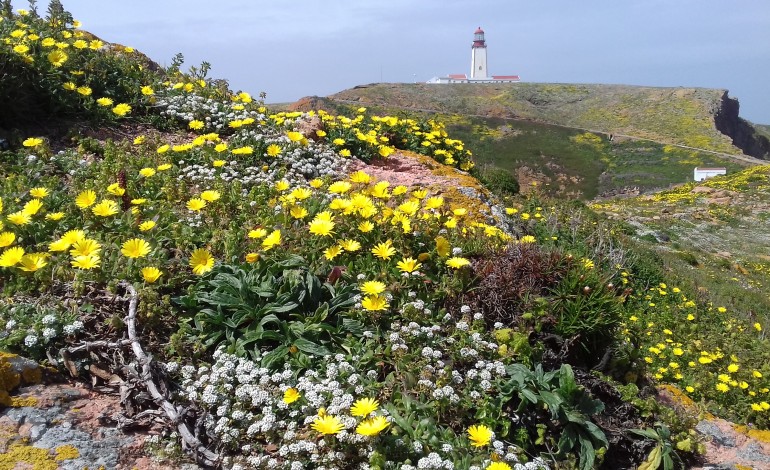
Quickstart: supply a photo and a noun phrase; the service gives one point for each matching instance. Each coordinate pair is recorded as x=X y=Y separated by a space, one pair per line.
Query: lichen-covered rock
x=14 y=372
x=70 y=427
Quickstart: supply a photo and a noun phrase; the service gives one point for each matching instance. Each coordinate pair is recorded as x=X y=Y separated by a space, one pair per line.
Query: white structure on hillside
x=479 y=66
x=701 y=174
x=479 y=55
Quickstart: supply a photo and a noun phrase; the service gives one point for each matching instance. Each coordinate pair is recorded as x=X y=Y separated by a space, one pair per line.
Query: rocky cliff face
x=743 y=134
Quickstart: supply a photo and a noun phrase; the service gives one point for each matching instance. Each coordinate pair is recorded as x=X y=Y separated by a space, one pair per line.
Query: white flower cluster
x=189 y=106
x=73 y=327
x=452 y=355
x=30 y=340
x=434 y=462
x=244 y=403
x=295 y=165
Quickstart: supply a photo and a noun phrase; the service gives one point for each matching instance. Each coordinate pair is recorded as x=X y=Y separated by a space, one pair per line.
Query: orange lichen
x=66 y=452
x=39 y=459
x=678 y=395
x=18 y=402
x=10 y=378
x=758 y=434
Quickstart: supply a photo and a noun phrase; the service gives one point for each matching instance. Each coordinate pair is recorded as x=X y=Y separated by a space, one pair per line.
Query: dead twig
x=92 y=345
x=205 y=455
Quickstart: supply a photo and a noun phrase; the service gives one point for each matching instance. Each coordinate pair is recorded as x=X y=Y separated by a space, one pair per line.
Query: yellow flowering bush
x=391 y=324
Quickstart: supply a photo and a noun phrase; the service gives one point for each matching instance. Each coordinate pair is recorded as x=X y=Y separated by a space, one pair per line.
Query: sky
x=297 y=48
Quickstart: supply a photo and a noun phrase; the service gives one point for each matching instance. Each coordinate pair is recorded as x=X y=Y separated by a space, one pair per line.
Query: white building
x=701 y=174
x=479 y=66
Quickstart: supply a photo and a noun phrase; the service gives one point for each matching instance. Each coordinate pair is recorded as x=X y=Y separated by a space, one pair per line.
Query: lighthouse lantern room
x=479 y=55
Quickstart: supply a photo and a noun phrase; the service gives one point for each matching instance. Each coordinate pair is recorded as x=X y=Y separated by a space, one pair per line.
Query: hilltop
x=577 y=140
x=696 y=117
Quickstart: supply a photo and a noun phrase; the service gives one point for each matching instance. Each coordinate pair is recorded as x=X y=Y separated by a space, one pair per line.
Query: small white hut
x=701 y=174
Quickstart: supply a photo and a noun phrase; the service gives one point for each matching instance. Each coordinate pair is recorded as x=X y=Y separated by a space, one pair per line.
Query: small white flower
x=30 y=340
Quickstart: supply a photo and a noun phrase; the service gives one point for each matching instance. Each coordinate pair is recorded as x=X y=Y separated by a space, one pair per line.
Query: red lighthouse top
x=478 y=38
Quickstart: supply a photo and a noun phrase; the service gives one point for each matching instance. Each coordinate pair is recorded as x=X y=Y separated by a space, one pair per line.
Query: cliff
x=745 y=136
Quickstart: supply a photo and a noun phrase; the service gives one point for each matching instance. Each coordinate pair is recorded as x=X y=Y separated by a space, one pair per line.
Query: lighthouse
x=479 y=56
x=479 y=69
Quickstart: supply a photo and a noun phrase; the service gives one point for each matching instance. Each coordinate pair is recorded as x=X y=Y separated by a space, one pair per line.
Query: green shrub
x=276 y=305
x=586 y=310
x=40 y=80
x=688 y=257
x=570 y=408
x=498 y=180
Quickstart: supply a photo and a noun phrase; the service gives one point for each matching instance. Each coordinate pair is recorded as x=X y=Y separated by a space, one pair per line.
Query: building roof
x=479 y=31
x=711 y=169
x=457 y=76
x=505 y=77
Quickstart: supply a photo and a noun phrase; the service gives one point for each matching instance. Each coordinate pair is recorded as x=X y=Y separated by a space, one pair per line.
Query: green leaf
x=400 y=421
x=528 y=394
x=668 y=462
x=587 y=453
x=684 y=445
x=596 y=433
x=568 y=439
x=648 y=433
x=553 y=401
x=353 y=326
x=275 y=356
x=566 y=377
x=310 y=347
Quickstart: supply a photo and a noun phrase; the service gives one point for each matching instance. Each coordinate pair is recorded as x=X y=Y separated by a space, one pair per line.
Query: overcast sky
x=291 y=49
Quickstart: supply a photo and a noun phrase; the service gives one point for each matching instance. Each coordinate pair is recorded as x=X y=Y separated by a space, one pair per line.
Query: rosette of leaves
x=587 y=310
x=272 y=311
x=555 y=408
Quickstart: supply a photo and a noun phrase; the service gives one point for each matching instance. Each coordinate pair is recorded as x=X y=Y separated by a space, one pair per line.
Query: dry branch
x=205 y=455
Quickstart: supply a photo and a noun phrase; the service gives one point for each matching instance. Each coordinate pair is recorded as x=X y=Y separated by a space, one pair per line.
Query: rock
x=721 y=201
x=753 y=453
x=732 y=447
x=309 y=125
x=702 y=189
x=710 y=429
x=16 y=370
x=65 y=428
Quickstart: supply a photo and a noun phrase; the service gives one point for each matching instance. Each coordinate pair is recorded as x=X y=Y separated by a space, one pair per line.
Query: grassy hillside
x=563 y=161
x=671 y=115
x=576 y=164
x=714 y=233
x=713 y=237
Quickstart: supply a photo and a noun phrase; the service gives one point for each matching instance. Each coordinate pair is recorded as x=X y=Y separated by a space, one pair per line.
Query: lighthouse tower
x=479 y=55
